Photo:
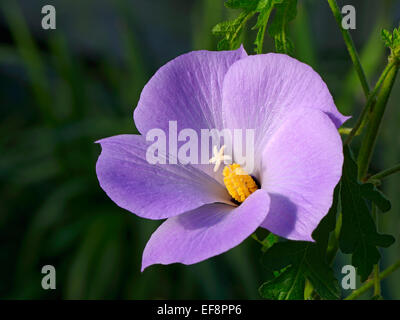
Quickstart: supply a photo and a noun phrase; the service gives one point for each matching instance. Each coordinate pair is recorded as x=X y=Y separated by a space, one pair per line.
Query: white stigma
x=219 y=157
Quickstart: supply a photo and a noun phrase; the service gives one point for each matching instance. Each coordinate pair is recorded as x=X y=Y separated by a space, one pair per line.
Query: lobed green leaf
x=285 y=12
x=303 y=261
x=294 y=262
x=359 y=236
x=373 y=194
x=289 y=285
x=230 y=31
x=387 y=37
x=392 y=41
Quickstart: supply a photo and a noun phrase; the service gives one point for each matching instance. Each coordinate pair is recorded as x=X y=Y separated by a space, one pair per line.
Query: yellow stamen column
x=239 y=183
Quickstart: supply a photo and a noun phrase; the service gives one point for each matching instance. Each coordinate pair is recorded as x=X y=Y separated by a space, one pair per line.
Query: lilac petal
x=205 y=232
x=260 y=90
x=187 y=90
x=153 y=191
x=301 y=165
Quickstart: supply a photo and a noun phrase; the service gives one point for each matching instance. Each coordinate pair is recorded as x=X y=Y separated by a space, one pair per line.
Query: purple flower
x=298 y=154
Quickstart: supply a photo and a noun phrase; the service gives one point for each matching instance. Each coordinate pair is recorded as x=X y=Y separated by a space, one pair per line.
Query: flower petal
x=260 y=90
x=301 y=165
x=153 y=191
x=187 y=90
x=205 y=232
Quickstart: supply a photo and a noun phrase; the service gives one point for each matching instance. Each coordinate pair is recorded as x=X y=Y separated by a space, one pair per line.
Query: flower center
x=238 y=182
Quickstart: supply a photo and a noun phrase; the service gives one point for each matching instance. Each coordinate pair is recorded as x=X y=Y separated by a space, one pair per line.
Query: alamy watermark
x=207 y=146
x=49 y=280
x=349 y=280
x=349 y=18
x=49 y=18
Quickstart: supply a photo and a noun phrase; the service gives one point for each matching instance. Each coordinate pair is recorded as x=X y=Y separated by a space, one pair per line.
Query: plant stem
x=386 y=173
x=333 y=246
x=350 y=47
x=369 y=284
x=371 y=101
x=368 y=144
x=377 y=281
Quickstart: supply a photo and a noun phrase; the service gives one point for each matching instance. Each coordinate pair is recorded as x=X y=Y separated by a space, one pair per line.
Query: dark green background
x=63 y=89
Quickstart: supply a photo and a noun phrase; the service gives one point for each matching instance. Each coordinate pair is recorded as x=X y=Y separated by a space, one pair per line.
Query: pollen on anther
x=239 y=183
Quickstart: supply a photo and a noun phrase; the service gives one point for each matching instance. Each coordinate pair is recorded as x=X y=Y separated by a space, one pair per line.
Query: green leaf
x=392 y=41
x=231 y=31
x=358 y=235
x=387 y=37
x=302 y=261
x=264 y=8
x=285 y=12
x=289 y=285
x=242 y=4
x=306 y=261
x=321 y=275
x=396 y=37
x=370 y=192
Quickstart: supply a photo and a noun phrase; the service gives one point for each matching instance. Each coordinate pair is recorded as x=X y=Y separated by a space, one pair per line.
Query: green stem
x=377 y=281
x=368 y=144
x=350 y=47
x=370 y=102
x=333 y=246
x=369 y=284
x=386 y=173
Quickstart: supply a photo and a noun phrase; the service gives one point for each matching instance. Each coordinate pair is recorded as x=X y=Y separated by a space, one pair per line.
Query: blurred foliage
x=64 y=89
x=231 y=31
